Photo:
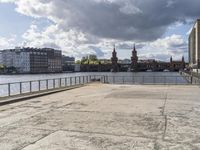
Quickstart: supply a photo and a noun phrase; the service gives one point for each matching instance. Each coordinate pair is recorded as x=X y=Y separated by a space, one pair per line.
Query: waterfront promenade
x=105 y=117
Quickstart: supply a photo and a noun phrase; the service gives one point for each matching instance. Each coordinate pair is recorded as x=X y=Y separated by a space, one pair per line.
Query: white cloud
x=90 y=26
x=172 y=42
x=6 y=43
x=164 y=48
x=71 y=42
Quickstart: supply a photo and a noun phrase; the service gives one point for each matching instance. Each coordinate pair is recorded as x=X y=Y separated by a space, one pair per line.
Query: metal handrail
x=56 y=83
x=166 y=80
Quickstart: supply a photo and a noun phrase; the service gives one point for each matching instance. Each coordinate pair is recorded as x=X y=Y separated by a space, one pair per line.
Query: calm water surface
x=19 y=78
x=117 y=78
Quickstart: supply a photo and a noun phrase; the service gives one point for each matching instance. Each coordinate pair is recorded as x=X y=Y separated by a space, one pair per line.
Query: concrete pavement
x=105 y=117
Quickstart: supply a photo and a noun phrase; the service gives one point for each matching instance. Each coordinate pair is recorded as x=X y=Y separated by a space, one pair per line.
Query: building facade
x=16 y=58
x=68 y=63
x=32 y=60
x=194 y=46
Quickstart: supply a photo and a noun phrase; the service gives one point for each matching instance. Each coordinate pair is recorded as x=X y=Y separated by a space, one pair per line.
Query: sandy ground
x=105 y=117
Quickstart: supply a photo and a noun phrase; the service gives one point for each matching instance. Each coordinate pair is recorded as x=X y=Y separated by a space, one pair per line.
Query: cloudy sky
x=80 y=27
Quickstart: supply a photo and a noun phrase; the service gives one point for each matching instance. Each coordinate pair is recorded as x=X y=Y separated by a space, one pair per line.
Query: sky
x=159 y=28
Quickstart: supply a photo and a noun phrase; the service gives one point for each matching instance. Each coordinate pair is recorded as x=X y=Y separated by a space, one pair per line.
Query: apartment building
x=32 y=60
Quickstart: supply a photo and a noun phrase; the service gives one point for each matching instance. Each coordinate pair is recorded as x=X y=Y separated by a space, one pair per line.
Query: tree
x=78 y=62
x=93 y=57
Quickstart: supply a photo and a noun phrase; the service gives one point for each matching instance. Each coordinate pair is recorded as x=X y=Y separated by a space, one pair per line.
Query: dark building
x=38 y=60
x=68 y=63
x=54 y=58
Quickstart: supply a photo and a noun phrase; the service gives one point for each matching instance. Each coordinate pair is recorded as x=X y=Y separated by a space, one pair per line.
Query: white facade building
x=194 y=46
x=15 y=58
x=1 y=58
x=32 y=60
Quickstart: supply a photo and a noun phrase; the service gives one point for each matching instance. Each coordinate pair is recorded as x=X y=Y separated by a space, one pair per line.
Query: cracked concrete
x=105 y=117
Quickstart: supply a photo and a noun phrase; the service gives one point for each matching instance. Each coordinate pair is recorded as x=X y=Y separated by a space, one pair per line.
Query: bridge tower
x=134 y=60
x=114 y=60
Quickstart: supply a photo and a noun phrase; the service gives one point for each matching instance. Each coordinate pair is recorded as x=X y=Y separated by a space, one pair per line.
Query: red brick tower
x=134 y=59
x=114 y=61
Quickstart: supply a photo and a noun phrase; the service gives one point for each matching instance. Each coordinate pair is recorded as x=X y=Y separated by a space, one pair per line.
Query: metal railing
x=190 y=78
x=29 y=87
x=162 y=80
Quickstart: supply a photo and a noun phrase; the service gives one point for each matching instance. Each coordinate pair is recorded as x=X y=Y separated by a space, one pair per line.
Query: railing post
x=30 y=86
x=47 y=84
x=83 y=79
x=39 y=85
x=70 y=81
x=54 y=83
x=79 y=80
x=123 y=80
x=113 y=79
x=65 y=82
x=9 y=89
x=20 y=87
x=142 y=79
x=60 y=80
x=75 y=80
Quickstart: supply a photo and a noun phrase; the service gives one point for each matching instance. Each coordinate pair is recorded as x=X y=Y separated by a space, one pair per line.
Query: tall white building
x=16 y=58
x=1 y=58
x=194 y=46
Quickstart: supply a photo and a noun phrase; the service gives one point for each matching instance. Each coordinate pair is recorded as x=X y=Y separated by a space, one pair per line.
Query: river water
x=19 y=78
x=117 y=78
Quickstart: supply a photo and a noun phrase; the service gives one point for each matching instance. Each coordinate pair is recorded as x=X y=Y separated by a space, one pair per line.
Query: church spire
x=134 y=49
x=183 y=59
x=134 y=59
x=114 y=60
